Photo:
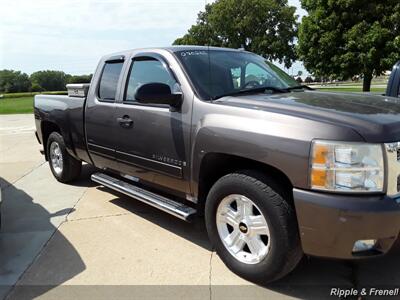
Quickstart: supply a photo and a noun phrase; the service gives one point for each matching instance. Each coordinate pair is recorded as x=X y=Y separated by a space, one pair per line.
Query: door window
x=109 y=81
x=147 y=70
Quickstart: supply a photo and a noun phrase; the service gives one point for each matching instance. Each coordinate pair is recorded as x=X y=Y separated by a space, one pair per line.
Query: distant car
x=393 y=88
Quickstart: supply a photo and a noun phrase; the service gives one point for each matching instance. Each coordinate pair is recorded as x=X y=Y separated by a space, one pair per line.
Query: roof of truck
x=188 y=48
x=176 y=49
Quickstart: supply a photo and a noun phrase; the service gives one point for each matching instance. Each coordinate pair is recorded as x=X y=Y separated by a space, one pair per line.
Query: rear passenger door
x=99 y=114
x=154 y=147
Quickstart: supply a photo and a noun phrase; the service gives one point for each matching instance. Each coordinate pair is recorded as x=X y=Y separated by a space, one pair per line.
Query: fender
x=277 y=140
x=59 y=114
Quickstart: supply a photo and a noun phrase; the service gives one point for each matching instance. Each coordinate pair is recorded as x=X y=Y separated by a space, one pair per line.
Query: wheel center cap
x=243 y=227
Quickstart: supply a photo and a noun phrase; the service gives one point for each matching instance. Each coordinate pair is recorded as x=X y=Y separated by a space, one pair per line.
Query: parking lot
x=64 y=241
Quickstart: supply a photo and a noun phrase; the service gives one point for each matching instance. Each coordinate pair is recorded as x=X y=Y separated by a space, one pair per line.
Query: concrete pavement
x=33 y=206
x=81 y=240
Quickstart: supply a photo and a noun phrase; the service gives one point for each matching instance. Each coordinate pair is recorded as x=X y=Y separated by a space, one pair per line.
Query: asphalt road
x=81 y=240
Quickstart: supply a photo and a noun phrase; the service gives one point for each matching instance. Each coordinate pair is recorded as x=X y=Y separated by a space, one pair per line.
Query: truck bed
x=66 y=113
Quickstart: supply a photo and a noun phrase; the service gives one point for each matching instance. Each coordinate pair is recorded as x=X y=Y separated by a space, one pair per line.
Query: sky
x=71 y=35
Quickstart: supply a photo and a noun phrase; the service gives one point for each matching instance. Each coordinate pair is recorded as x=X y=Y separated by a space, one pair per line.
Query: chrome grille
x=393 y=159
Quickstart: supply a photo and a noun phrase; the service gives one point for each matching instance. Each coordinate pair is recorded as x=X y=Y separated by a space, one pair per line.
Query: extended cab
x=277 y=170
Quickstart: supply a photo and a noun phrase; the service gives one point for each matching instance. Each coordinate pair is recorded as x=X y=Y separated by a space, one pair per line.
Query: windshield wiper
x=301 y=86
x=251 y=91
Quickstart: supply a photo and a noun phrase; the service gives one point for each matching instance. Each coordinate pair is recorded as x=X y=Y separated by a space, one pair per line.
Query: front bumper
x=331 y=224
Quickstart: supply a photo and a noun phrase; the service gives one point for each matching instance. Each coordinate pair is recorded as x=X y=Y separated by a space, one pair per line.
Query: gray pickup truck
x=277 y=170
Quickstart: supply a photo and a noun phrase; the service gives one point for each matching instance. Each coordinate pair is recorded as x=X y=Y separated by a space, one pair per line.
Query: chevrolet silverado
x=277 y=170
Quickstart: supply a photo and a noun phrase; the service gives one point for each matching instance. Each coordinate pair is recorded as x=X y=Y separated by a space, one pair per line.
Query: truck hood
x=376 y=118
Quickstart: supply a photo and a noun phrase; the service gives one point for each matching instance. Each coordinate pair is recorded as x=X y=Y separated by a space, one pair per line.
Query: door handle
x=125 y=121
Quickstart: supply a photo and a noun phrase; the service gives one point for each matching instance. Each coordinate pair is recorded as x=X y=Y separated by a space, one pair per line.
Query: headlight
x=347 y=167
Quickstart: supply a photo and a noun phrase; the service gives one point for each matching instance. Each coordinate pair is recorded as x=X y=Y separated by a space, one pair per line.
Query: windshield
x=215 y=73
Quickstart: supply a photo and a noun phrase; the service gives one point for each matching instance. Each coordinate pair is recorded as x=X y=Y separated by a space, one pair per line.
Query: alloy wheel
x=243 y=229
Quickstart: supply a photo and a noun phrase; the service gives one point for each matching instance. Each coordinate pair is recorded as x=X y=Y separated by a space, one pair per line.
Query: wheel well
x=47 y=129
x=215 y=165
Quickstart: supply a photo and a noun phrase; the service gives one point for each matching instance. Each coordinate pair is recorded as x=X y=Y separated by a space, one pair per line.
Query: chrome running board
x=172 y=207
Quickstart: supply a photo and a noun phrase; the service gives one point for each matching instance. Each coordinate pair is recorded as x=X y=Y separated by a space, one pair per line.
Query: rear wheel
x=253 y=227
x=64 y=167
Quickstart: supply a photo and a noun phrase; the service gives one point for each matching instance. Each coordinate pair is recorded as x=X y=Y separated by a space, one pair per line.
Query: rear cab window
x=108 y=83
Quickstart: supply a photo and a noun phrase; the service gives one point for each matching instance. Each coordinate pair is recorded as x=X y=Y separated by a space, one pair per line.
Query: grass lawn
x=352 y=89
x=21 y=105
x=28 y=94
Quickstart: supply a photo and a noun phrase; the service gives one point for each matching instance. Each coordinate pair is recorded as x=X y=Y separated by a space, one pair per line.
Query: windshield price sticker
x=369 y=292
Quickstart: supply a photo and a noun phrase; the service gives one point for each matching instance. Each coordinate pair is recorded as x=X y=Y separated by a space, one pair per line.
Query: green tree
x=36 y=88
x=317 y=79
x=14 y=81
x=50 y=80
x=80 y=78
x=343 y=38
x=308 y=79
x=267 y=27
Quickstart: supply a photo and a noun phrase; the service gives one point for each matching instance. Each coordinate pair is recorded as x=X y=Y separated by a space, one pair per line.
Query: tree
x=343 y=38
x=266 y=27
x=14 y=81
x=299 y=80
x=80 y=78
x=36 y=88
x=308 y=79
x=317 y=79
x=50 y=80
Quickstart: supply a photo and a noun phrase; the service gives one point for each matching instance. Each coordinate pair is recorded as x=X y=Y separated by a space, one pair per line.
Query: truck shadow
x=312 y=279
x=194 y=232
x=315 y=277
x=84 y=179
x=26 y=229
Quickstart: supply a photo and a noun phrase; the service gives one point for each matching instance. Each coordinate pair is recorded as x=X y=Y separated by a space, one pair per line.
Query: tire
x=396 y=246
x=282 y=248
x=70 y=168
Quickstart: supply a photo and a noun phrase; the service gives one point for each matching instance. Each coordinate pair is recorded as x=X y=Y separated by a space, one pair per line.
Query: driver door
x=154 y=147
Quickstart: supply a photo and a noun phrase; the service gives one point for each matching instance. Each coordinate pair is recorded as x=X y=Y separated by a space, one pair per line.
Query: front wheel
x=252 y=227
x=64 y=167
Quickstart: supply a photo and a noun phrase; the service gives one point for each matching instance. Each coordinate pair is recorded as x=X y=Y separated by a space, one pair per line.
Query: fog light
x=364 y=245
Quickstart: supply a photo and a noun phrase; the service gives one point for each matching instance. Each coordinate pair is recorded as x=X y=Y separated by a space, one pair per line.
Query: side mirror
x=158 y=93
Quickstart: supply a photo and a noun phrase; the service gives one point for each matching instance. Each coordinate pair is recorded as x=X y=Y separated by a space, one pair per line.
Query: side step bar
x=172 y=207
